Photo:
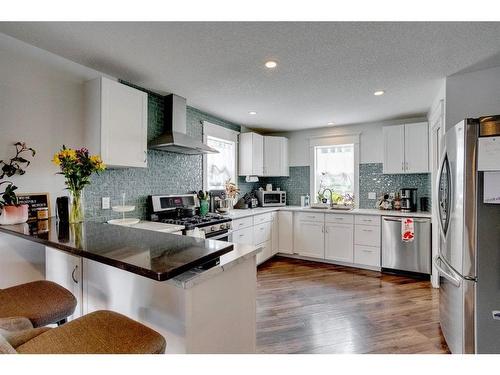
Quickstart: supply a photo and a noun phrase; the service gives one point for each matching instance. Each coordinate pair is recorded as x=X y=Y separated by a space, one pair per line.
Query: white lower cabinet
x=275 y=234
x=66 y=270
x=309 y=238
x=243 y=236
x=285 y=232
x=265 y=253
x=339 y=241
x=367 y=255
x=262 y=232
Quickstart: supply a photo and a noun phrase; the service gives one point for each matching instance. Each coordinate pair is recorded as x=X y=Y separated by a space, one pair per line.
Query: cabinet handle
x=322 y=229
x=367 y=230
x=73 y=274
x=145 y=156
x=402 y=165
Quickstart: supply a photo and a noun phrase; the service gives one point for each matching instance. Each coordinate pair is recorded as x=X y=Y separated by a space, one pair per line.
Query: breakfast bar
x=200 y=294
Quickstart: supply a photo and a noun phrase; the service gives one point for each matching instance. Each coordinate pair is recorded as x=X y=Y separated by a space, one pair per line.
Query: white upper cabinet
x=263 y=155
x=276 y=156
x=116 y=123
x=251 y=154
x=406 y=148
x=417 y=148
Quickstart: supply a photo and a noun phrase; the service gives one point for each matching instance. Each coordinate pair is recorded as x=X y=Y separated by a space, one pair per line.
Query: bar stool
x=100 y=332
x=42 y=302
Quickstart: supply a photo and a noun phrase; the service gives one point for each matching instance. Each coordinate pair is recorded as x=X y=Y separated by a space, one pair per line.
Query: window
x=218 y=168
x=334 y=166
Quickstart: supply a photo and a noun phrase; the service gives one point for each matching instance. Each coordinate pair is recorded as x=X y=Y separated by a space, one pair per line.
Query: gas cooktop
x=198 y=221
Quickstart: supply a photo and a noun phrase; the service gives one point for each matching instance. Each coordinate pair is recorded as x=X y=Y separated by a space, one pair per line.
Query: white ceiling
x=326 y=71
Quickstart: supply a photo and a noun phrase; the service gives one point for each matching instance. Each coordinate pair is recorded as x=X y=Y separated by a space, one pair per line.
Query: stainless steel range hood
x=174 y=137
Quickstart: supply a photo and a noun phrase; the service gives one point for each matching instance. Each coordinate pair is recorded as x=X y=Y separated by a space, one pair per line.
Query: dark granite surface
x=156 y=255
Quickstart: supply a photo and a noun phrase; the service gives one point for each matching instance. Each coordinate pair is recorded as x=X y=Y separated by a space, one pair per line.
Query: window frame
x=334 y=140
x=217 y=131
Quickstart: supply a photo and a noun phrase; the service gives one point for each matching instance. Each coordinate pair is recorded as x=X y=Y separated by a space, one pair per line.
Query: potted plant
x=77 y=166
x=11 y=211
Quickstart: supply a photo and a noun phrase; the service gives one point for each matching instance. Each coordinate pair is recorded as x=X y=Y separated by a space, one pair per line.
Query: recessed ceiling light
x=330 y=123
x=271 y=64
x=252 y=113
x=379 y=92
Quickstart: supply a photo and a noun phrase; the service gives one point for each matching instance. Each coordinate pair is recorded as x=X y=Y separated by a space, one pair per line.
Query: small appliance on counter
x=247 y=201
x=409 y=200
x=271 y=198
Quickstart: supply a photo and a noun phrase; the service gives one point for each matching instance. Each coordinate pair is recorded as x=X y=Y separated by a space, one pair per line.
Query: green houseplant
x=11 y=211
x=77 y=166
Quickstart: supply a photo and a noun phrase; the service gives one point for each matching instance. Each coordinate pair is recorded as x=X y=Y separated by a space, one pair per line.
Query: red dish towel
x=407 y=229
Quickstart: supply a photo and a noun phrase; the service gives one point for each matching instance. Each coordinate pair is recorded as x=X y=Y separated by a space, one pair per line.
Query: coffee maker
x=409 y=200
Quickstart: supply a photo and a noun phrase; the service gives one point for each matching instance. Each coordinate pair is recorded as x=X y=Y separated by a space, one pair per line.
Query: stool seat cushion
x=100 y=332
x=42 y=302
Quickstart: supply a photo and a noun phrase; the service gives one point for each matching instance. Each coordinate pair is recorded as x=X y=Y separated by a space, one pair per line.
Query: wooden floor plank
x=306 y=307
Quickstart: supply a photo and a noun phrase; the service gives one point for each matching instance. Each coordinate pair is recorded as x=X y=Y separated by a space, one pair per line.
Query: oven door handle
x=228 y=234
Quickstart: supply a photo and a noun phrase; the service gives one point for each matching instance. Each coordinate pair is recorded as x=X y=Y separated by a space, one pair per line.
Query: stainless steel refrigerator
x=469 y=254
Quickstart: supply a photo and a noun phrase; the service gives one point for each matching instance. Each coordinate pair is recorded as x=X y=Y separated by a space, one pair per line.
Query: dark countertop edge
x=116 y=263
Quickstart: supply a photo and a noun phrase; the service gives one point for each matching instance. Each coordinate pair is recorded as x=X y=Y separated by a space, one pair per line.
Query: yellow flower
x=97 y=162
x=56 y=159
x=68 y=153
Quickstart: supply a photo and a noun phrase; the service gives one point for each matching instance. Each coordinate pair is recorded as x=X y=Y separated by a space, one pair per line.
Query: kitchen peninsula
x=152 y=277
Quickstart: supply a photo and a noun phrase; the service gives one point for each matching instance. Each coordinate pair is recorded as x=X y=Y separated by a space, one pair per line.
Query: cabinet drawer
x=242 y=223
x=367 y=255
x=310 y=216
x=262 y=232
x=368 y=220
x=367 y=235
x=263 y=218
x=339 y=218
x=243 y=236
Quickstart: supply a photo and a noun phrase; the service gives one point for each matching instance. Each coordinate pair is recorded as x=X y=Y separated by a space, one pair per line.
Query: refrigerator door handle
x=444 y=160
x=451 y=277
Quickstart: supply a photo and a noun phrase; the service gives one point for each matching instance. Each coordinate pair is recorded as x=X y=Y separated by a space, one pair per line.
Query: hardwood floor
x=305 y=307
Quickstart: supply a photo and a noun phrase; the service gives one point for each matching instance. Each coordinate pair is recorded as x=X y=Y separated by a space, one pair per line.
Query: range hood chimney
x=174 y=137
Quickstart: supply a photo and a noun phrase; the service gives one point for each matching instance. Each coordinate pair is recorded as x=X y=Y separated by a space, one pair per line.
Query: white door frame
x=437 y=129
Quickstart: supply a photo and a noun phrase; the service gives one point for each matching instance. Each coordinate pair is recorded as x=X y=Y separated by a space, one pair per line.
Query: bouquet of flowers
x=77 y=166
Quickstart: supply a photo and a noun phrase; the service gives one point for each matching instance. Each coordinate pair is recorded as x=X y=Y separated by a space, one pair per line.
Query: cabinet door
x=272 y=156
x=309 y=239
x=257 y=154
x=285 y=232
x=275 y=234
x=339 y=244
x=394 y=143
x=417 y=148
x=66 y=270
x=124 y=112
x=243 y=236
x=285 y=163
x=265 y=253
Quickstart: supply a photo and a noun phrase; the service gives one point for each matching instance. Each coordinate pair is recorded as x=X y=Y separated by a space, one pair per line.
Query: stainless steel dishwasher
x=413 y=256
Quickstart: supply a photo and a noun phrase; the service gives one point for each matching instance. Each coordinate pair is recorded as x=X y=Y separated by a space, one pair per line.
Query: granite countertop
x=239 y=214
x=155 y=255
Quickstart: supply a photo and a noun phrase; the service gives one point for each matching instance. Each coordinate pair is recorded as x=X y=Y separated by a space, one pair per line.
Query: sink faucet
x=330 y=196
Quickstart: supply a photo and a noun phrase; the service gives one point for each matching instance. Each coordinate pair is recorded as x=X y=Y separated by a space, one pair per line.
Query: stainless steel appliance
x=469 y=254
x=409 y=200
x=271 y=198
x=170 y=209
x=410 y=256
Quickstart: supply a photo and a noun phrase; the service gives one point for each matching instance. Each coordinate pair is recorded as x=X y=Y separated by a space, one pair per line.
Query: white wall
x=371 y=143
x=41 y=103
x=472 y=94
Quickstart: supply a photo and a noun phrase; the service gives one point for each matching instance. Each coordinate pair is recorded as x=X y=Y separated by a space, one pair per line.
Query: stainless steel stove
x=172 y=209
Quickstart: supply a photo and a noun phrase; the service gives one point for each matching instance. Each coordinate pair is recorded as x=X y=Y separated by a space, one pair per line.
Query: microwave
x=271 y=198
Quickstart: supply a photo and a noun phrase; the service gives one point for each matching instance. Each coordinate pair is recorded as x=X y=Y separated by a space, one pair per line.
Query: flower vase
x=76 y=210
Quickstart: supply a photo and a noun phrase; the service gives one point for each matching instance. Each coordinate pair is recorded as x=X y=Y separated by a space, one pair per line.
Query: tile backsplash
x=371 y=179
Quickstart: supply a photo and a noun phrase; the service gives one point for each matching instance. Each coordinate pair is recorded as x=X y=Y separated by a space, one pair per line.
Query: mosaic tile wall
x=371 y=179
x=296 y=185
x=166 y=172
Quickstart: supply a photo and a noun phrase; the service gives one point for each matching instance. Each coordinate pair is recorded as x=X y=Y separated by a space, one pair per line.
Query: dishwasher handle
x=414 y=220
